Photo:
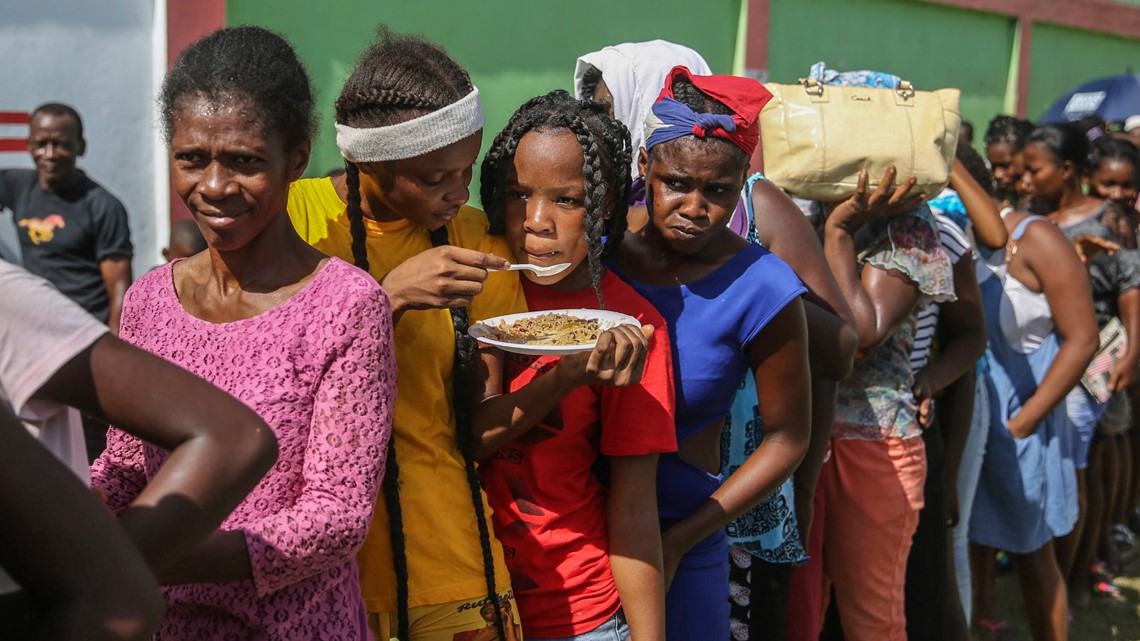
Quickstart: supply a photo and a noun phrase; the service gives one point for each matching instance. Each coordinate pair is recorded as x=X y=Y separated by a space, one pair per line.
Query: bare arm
x=116 y=271
x=982 y=210
x=880 y=299
x=955 y=415
x=779 y=359
x=1124 y=372
x=1063 y=279
x=963 y=328
x=81 y=576
x=219 y=447
x=635 y=544
x=786 y=232
x=617 y=359
x=439 y=278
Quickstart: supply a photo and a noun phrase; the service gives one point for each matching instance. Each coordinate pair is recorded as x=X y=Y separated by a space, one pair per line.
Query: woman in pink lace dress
x=303 y=339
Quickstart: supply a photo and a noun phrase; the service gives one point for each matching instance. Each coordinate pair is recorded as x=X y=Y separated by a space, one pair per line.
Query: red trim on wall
x=15 y=117
x=756 y=54
x=189 y=20
x=1102 y=16
x=756 y=42
x=186 y=22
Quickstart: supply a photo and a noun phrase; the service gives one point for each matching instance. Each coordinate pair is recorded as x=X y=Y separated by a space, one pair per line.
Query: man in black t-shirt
x=72 y=231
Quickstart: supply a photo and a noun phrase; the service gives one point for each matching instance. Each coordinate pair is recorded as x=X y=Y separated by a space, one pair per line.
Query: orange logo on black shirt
x=42 y=230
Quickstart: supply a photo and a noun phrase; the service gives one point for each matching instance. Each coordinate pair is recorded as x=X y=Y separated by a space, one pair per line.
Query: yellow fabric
x=445 y=563
x=469 y=620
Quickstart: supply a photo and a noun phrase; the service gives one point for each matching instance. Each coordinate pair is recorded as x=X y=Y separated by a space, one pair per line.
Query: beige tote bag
x=818 y=137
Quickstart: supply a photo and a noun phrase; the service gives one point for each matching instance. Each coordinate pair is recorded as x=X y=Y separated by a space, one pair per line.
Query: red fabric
x=744 y=96
x=549 y=503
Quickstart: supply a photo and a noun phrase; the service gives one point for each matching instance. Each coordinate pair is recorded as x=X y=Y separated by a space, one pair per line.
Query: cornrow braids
x=399 y=78
x=591 y=79
x=461 y=377
x=606 y=156
x=355 y=216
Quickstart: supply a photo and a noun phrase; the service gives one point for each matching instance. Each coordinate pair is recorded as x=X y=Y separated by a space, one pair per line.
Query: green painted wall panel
x=1064 y=58
x=932 y=46
x=514 y=49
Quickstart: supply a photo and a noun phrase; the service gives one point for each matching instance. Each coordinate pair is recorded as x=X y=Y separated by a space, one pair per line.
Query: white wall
x=98 y=56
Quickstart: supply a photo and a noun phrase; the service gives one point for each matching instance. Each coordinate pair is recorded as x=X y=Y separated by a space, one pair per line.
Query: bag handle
x=813 y=87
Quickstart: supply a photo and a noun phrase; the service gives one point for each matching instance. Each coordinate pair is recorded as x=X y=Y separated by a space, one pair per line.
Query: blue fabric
x=710 y=322
x=697 y=606
x=768 y=531
x=1113 y=99
x=1027 y=493
x=825 y=76
x=949 y=204
x=681 y=121
x=614 y=628
x=1084 y=413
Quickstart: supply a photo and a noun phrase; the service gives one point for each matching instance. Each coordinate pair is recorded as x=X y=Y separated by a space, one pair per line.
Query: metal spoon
x=549 y=270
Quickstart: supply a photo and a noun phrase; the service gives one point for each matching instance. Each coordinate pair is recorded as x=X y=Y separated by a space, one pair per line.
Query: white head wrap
x=414 y=137
x=634 y=73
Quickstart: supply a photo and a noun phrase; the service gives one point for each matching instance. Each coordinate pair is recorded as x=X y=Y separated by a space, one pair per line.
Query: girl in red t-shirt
x=569 y=444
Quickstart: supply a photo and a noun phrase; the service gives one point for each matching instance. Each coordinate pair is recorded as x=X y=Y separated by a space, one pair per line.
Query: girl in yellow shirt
x=409 y=124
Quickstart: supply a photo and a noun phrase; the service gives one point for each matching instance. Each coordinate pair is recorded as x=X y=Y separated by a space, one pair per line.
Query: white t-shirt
x=40 y=331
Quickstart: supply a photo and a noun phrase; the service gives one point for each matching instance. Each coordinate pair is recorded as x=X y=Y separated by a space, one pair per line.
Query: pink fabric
x=872 y=496
x=319 y=369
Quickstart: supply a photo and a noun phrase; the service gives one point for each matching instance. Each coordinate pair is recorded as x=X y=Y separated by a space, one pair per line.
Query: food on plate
x=548 y=329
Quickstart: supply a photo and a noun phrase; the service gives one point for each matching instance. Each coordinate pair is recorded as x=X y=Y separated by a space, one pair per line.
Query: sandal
x=1101 y=572
x=1106 y=590
x=995 y=630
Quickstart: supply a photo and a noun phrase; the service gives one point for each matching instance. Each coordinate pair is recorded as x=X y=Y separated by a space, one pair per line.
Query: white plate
x=606 y=320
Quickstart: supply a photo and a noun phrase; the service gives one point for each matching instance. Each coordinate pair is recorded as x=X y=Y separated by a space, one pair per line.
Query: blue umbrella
x=1113 y=99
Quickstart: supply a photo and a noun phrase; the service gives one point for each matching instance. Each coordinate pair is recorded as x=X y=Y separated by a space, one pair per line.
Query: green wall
x=514 y=49
x=1064 y=58
x=930 y=45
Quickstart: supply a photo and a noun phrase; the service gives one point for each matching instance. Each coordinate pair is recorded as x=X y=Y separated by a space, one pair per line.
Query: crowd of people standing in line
x=830 y=421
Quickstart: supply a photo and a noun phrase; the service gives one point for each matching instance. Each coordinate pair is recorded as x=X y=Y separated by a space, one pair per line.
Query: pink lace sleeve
x=343 y=460
x=120 y=471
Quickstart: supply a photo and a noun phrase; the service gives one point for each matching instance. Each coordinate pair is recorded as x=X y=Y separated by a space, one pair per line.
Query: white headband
x=414 y=137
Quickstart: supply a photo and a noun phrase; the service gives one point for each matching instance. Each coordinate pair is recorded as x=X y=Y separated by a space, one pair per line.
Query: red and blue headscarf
x=670 y=119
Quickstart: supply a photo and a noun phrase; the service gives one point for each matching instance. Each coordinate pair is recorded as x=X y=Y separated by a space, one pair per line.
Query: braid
x=399 y=78
x=460 y=395
x=391 y=488
x=606 y=156
x=355 y=215
x=591 y=80
x=596 y=197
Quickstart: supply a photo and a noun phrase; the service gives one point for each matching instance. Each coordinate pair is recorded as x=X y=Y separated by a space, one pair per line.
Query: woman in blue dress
x=1042 y=333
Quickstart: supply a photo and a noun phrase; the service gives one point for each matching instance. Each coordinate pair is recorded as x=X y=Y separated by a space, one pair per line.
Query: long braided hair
x=606 y=153
x=399 y=78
